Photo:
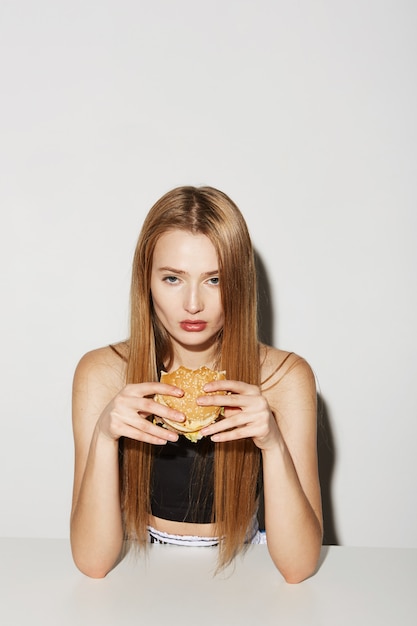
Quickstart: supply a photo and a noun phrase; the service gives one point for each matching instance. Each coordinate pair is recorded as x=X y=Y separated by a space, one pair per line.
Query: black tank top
x=182 y=481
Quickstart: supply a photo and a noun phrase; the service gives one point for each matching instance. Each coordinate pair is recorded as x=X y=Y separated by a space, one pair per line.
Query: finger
x=233 y=386
x=149 y=433
x=222 y=425
x=163 y=411
x=243 y=432
x=148 y=406
x=231 y=401
x=151 y=388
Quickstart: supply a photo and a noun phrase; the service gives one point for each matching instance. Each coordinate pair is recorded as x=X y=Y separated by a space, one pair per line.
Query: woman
x=193 y=303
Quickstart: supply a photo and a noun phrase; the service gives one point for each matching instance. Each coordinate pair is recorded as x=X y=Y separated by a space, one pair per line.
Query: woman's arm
x=293 y=515
x=103 y=411
x=282 y=423
x=96 y=526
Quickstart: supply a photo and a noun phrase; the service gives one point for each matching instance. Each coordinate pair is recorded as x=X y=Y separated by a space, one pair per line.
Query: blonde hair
x=207 y=211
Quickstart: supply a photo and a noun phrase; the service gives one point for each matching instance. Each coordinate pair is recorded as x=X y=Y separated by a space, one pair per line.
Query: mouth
x=193 y=326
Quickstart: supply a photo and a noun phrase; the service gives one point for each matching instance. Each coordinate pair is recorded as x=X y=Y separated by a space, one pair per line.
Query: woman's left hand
x=246 y=414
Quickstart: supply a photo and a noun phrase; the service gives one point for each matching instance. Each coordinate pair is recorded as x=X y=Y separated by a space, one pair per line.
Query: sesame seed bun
x=192 y=383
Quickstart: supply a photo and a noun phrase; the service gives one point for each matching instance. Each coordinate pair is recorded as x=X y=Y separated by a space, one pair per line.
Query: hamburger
x=192 y=383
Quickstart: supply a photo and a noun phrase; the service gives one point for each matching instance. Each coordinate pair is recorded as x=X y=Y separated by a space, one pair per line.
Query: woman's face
x=185 y=288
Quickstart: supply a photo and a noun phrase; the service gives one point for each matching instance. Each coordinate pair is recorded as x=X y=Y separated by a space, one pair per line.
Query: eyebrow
x=173 y=270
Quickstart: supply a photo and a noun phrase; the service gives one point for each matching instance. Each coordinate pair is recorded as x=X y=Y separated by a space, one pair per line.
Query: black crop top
x=182 y=476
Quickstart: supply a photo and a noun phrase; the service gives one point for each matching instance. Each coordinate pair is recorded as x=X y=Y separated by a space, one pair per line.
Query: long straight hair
x=210 y=212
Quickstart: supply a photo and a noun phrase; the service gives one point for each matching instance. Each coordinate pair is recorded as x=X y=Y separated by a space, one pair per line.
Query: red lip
x=193 y=326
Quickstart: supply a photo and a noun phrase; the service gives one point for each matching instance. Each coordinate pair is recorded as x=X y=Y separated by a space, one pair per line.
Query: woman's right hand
x=127 y=414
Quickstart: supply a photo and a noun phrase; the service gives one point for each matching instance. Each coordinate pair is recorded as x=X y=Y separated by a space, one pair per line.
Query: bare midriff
x=181 y=528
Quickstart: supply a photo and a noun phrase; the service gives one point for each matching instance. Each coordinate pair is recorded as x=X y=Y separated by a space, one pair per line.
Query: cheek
x=220 y=315
x=220 y=305
x=163 y=303
x=156 y=300
x=158 y=303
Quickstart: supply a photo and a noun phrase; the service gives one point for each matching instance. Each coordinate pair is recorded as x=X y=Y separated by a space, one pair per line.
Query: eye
x=214 y=280
x=171 y=280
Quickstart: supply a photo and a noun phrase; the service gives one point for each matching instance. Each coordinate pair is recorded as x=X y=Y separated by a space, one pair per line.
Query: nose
x=193 y=302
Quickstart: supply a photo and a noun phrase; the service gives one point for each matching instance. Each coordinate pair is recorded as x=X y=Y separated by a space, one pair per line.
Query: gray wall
x=304 y=113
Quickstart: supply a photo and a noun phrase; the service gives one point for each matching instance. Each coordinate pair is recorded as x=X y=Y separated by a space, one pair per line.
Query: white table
x=39 y=585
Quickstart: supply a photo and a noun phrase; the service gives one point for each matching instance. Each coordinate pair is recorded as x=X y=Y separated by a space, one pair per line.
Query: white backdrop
x=304 y=113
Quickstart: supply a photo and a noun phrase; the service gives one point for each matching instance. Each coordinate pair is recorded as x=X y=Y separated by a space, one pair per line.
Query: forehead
x=178 y=247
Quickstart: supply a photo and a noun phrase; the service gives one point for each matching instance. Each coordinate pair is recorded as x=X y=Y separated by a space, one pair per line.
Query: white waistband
x=159 y=536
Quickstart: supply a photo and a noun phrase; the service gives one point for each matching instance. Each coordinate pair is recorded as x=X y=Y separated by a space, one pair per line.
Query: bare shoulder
x=289 y=384
x=283 y=367
x=105 y=366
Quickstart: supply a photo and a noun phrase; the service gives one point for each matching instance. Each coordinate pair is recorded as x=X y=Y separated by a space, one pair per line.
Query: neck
x=195 y=359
